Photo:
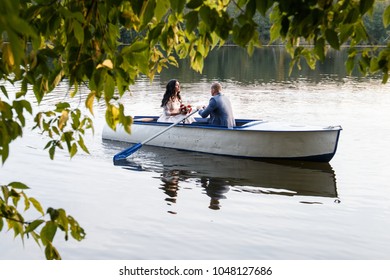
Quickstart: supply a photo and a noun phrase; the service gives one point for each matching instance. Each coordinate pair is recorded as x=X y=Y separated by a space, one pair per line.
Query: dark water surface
x=167 y=204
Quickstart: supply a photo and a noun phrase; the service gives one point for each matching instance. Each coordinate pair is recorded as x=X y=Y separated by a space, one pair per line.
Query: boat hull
x=256 y=139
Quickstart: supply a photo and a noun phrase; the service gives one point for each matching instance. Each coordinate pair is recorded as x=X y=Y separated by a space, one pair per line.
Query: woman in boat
x=219 y=108
x=173 y=107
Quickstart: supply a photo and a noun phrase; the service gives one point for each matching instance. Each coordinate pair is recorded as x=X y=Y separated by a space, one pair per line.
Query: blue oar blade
x=125 y=153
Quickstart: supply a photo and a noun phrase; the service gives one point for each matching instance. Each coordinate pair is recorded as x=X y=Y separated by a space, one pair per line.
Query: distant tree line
x=377 y=33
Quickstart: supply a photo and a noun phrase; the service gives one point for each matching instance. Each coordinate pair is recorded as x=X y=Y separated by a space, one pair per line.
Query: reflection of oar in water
x=125 y=153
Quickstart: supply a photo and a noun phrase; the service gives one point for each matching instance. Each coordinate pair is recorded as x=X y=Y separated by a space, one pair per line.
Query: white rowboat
x=255 y=139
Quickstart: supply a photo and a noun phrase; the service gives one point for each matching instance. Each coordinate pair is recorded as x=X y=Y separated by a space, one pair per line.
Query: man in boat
x=219 y=108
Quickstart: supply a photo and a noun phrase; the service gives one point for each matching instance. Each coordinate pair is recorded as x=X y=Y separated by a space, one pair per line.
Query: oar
x=125 y=153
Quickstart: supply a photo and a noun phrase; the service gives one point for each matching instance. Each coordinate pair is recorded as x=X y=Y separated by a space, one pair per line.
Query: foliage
x=375 y=24
x=44 y=42
x=42 y=231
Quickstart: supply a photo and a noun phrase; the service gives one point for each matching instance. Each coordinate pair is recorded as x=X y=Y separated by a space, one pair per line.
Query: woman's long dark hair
x=170 y=92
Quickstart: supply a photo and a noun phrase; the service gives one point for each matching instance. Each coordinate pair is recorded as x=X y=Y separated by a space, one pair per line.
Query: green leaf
x=4 y=90
x=76 y=115
x=360 y=33
x=5 y=191
x=162 y=6
x=250 y=8
x=26 y=105
x=263 y=5
x=38 y=92
x=19 y=110
x=16 y=44
x=332 y=38
x=156 y=32
x=138 y=46
x=346 y=31
x=177 y=5
x=61 y=106
x=73 y=150
x=275 y=32
x=244 y=34
x=319 y=49
x=18 y=185
x=374 y=65
x=241 y=3
x=15 y=197
x=112 y=116
x=148 y=12
x=57 y=79
x=63 y=119
x=53 y=213
x=386 y=17
x=36 y=205
x=63 y=220
x=193 y=4
x=82 y=145
x=32 y=226
x=285 y=25
x=197 y=62
x=77 y=232
x=17 y=225
x=52 y=151
x=5 y=151
x=353 y=16
x=365 y=5
x=26 y=201
x=310 y=60
x=78 y=32
x=51 y=252
x=192 y=21
x=89 y=101
x=48 y=232
x=385 y=77
x=224 y=25
x=209 y=17
x=109 y=87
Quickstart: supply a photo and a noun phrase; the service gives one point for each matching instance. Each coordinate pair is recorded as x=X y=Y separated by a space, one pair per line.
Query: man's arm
x=204 y=113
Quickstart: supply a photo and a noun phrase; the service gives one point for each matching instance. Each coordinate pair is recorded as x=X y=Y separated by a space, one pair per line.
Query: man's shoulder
x=217 y=96
x=221 y=97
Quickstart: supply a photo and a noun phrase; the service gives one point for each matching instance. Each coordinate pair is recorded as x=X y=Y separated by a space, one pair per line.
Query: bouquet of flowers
x=185 y=109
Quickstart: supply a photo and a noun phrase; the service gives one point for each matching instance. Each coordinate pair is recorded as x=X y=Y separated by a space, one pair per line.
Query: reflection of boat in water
x=220 y=173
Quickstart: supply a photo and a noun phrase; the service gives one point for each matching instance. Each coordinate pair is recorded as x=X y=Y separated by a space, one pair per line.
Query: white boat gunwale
x=277 y=140
x=242 y=124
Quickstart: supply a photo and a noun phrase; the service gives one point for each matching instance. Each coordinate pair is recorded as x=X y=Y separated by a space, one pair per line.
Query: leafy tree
x=44 y=42
x=378 y=34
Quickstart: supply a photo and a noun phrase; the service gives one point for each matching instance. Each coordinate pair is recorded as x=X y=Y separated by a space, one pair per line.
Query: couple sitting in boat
x=219 y=108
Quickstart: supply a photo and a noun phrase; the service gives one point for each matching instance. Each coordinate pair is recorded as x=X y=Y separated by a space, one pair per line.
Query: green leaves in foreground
x=12 y=121
x=43 y=229
x=64 y=125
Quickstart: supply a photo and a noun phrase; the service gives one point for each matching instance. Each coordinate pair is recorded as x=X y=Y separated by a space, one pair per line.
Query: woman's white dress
x=173 y=106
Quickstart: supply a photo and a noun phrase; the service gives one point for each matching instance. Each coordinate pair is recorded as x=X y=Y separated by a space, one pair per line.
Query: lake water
x=167 y=204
